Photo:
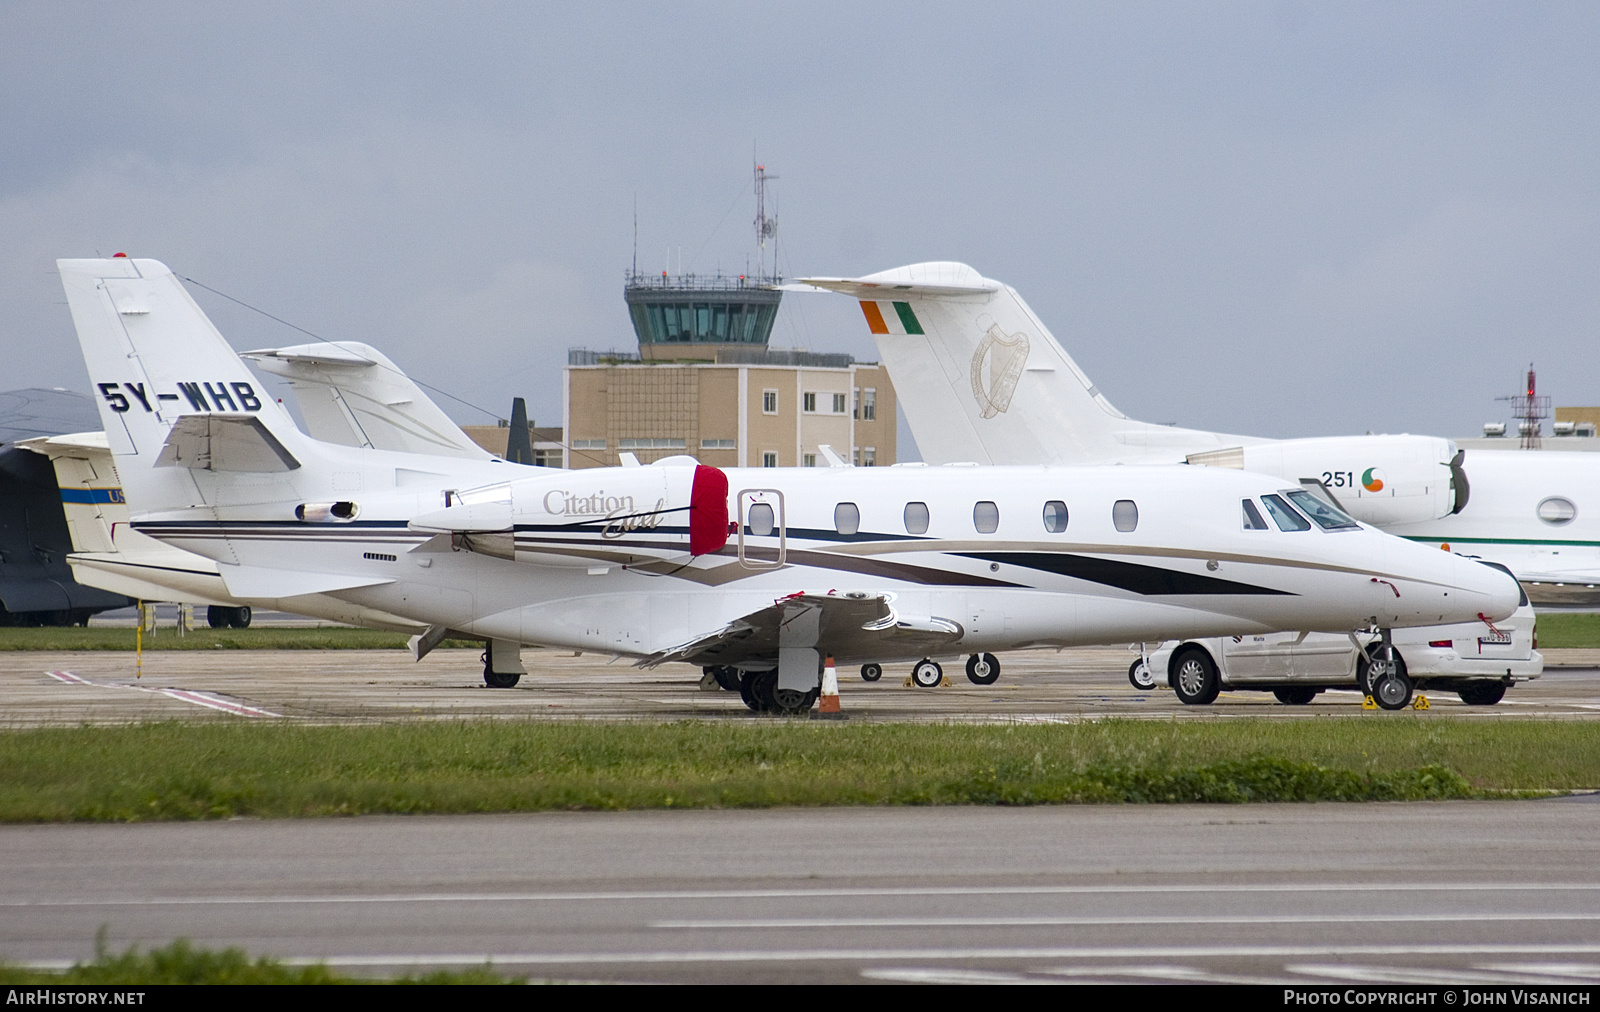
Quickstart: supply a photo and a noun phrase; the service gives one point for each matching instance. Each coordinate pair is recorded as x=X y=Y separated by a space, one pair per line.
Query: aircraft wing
x=852 y=626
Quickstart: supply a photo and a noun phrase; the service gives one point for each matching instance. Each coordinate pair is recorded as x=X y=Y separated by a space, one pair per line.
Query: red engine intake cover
x=708 y=511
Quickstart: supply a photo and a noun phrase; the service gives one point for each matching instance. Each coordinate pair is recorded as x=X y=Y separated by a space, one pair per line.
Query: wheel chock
x=907 y=683
x=1368 y=703
x=1421 y=703
x=946 y=683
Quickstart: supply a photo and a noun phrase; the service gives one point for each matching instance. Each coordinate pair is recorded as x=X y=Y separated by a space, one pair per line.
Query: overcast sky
x=1279 y=218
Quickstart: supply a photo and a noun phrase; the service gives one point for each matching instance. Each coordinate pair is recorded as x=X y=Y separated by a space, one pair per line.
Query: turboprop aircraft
x=980 y=378
x=857 y=564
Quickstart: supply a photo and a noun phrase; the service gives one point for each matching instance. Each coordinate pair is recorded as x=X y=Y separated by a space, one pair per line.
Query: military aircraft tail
x=1007 y=391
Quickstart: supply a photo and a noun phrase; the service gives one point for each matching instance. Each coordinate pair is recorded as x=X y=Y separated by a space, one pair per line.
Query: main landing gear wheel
x=1482 y=693
x=1140 y=676
x=983 y=669
x=727 y=678
x=927 y=674
x=1194 y=677
x=1385 y=681
x=871 y=672
x=1295 y=696
x=747 y=688
x=220 y=617
x=764 y=696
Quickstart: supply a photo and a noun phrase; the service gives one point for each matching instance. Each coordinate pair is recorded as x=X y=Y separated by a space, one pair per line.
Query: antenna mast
x=766 y=228
x=1530 y=410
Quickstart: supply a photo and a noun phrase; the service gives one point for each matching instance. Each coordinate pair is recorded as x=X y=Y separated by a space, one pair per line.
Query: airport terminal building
x=705 y=383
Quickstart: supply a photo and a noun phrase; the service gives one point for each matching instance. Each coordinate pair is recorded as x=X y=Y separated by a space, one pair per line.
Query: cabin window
x=846 y=518
x=1125 y=515
x=916 y=518
x=986 y=517
x=1252 y=518
x=1286 y=518
x=1055 y=516
x=1327 y=516
x=1556 y=511
x=762 y=520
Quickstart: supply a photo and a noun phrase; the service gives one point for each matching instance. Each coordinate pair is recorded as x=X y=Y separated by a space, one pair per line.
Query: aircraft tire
x=1295 y=696
x=927 y=674
x=983 y=669
x=1482 y=693
x=240 y=619
x=1194 y=677
x=726 y=677
x=871 y=672
x=218 y=617
x=499 y=680
x=1139 y=675
x=792 y=702
x=747 y=685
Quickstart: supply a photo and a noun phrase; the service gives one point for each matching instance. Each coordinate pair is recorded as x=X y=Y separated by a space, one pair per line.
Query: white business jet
x=857 y=564
x=981 y=378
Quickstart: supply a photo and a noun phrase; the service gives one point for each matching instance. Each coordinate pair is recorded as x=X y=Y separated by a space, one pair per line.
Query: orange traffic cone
x=828 y=707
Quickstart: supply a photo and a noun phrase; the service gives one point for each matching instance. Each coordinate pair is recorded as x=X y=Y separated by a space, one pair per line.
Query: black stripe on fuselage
x=1130 y=576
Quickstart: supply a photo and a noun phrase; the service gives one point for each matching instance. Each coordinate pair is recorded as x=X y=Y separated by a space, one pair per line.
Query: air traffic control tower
x=693 y=318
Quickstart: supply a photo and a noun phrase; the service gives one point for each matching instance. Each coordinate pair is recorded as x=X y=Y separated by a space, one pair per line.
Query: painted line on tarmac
x=205 y=699
x=1026 y=922
x=744 y=894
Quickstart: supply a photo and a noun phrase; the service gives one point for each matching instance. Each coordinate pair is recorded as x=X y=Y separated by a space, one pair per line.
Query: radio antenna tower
x=1530 y=410
x=766 y=228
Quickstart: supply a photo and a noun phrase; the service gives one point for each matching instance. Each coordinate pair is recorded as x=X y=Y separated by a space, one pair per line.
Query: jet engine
x=1380 y=480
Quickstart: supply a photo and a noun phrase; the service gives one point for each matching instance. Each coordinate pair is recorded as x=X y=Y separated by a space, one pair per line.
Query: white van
x=1476 y=660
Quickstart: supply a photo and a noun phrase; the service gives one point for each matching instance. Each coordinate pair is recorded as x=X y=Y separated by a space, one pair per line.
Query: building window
x=810 y=402
x=985 y=517
x=856 y=411
x=869 y=456
x=588 y=444
x=838 y=404
x=769 y=402
x=916 y=518
x=1125 y=515
x=769 y=459
x=846 y=518
x=808 y=460
x=719 y=444
x=649 y=443
x=869 y=404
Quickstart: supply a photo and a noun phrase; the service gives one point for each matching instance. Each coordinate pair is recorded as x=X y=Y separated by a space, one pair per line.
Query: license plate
x=1495 y=640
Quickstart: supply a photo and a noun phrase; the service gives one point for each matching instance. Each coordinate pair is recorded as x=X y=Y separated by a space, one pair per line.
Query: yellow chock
x=1421 y=703
x=1368 y=703
x=907 y=683
x=945 y=683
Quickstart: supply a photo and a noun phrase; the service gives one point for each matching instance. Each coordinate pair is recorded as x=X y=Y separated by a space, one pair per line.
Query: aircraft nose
x=1500 y=589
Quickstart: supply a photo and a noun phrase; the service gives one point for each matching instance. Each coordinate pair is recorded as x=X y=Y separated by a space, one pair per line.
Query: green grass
x=1569 y=629
x=182 y=963
x=205 y=638
x=182 y=770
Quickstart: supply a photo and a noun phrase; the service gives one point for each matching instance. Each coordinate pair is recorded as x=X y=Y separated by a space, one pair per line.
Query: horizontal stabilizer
x=224 y=442
x=930 y=280
x=258 y=582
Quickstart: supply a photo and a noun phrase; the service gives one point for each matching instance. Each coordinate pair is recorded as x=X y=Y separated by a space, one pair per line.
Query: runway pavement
x=1454 y=893
x=99 y=687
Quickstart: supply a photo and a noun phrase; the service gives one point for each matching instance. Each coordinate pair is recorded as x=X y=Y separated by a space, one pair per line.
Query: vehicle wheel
x=983 y=669
x=927 y=674
x=1195 y=676
x=1482 y=693
x=218 y=617
x=1295 y=696
x=241 y=617
x=871 y=672
x=1139 y=675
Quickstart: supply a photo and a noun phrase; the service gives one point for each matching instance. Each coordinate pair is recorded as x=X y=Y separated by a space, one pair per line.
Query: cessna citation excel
x=858 y=564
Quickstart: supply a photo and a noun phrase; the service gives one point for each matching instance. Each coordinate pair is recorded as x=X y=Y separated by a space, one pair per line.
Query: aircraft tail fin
x=982 y=379
x=154 y=358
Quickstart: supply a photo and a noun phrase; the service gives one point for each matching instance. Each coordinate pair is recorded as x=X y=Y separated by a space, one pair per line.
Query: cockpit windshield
x=1283 y=515
x=1328 y=516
